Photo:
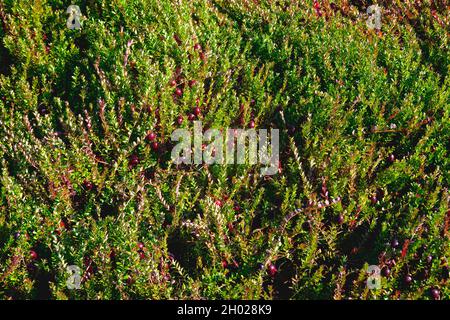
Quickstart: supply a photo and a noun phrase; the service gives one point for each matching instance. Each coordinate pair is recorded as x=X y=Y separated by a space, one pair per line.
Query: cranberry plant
x=87 y=180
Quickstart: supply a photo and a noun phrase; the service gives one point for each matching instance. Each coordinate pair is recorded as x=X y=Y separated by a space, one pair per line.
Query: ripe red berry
x=218 y=203
x=391 y=158
x=134 y=160
x=237 y=208
x=272 y=270
x=88 y=185
x=192 y=83
x=141 y=254
x=340 y=219
x=42 y=110
x=150 y=137
x=191 y=117
x=394 y=243
x=386 y=271
x=33 y=255
x=197 y=47
x=408 y=279
x=373 y=199
x=435 y=294
x=224 y=264
x=140 y=245
x=197 y=111
x=251 y=124
x=180 y=120
x=155 y=146
x=429 y=259
x=173 y=83
x=178 y=92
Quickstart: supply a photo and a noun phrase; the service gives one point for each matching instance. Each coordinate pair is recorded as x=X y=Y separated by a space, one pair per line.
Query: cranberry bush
x=87 y=180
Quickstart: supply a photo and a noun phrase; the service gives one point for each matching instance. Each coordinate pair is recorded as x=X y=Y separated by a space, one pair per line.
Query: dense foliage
x=86 y=177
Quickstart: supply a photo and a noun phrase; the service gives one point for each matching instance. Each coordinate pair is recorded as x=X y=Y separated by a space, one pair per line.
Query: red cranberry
x=237 y=208
x=272 y=270
x=88 y=185
x=134 y=160
x=340 y=219
x=429 y=259
x=192 y=83
x=386 y=271
x=251 y=124
x=173 y=83
x=150 y=137
x=180 y=120
x=391 y=158
x=394 y=243
x=191 y=117
x=224 y=264
x=178 y=92
x=435 y=293
x=155 y=146
x=218 y=203
x=197 y=111
x=33 y=255
x=140 y=245
x=42 y=110
x=197 y=47
x=373 y=199
x=408 y=279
